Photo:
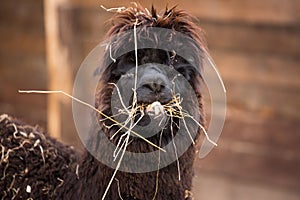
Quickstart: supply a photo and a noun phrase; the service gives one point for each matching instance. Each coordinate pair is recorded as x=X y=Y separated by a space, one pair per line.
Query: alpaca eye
x=187 y=71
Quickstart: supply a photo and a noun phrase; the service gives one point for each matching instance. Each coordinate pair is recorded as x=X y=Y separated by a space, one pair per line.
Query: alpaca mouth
x=142 y=119
x=144 y=115
x=150 y=103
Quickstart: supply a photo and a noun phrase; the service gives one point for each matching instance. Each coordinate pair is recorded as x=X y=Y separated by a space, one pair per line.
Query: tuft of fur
x=175 y=19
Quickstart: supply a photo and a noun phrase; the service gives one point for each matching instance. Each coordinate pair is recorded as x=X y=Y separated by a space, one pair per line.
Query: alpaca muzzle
x=153 y=85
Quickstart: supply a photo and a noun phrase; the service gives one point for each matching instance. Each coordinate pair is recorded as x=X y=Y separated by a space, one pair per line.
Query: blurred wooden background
x=256 y=46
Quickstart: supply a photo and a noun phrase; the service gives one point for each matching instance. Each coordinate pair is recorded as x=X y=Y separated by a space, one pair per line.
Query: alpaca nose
x=153 y=86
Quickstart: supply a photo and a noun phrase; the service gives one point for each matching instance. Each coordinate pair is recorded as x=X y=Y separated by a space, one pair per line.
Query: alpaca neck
x=163 y=184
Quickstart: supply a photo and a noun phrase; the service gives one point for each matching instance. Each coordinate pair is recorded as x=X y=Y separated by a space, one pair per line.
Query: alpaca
x=34 y=165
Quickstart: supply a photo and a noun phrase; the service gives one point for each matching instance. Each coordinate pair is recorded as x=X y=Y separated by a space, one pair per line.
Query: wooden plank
x=255 y=146
x=22 y=60
x=20 y=41
x=282 y=172
x=249 y=11
x=259 y=133
x=258 y=97
x=217 y=186
x=22 y=14
x=254 y=38
x=30 y=74
x=263 y=83
x=258 y=67
x=246 y=11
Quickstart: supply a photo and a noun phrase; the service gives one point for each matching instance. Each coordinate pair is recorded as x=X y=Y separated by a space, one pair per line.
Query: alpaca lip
x=144 y=121
x=154 y=109
x=150 y=98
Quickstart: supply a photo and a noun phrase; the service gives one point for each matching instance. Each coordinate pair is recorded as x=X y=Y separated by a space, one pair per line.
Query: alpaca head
x=151 y=72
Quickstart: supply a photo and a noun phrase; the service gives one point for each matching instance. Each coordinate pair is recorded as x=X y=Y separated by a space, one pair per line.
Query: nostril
x=155 y=87
x=151 y=91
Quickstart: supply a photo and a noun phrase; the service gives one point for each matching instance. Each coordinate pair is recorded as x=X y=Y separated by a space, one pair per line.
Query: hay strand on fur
x=93 y=108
